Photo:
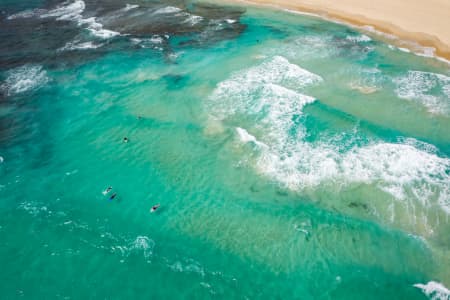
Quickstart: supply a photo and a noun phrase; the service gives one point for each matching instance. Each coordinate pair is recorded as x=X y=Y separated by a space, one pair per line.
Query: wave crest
x=269 y=97
x=25 y=78
x=434 y=290
x=429 y=89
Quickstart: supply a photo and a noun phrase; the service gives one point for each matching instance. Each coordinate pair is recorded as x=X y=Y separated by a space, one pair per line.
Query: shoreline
x=429 y=44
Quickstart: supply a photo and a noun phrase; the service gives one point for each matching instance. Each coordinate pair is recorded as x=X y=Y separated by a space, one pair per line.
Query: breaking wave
x=167 y=10
x=429 y=89
x=434 y=290
x=25 y=78
x=72 y=11
x=80 y=46
x=270 y=97
x=142 y=244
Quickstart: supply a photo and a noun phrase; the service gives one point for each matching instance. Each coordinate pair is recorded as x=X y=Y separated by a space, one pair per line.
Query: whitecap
x=358 y=38
x=73 y=12
x=154 y=42
x=193 y=19
x=130 y=7
x=70 y=11
x=394 y=168
x=277 y=70
x=246 y=137
x=33 y=208
x=25 y=78
x=429 y=89
x=434 y=290
x=141 y=244
x=144 y=244
x=167 y=10
x=264 y=89
x=97 y=29
x=189 y=266
x=26 y=14
x=156 y=39
x=406 y=50
x=76 y=45
x=269 y=96
x=135 y=41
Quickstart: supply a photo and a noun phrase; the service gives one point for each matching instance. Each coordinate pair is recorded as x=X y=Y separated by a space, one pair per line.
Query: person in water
x=125 y=140
x=113 y=196
x=155 y=207
x=105 y=192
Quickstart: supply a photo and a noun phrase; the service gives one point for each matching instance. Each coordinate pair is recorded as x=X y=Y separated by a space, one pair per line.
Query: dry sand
x=426 y=22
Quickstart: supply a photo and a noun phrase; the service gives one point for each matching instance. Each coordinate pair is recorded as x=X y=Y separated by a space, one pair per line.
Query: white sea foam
x=395 y=168
x=404 y=50
x=311 y=47
x=230 y=21
x=246 y=137
x=269 y=95
x=27 y=14
x=76 y=45
x=156 y=39
x=277 y=70
x=73 y=12
x=167 y=10
x=154 y=42
x=434 y=290
x=68 y=11
x=359 y=38
x=130 y=7
x=429 y=89
x=193 y=19
x=24 y=78
x=97 y=29
x=34 y=208
x=189 y=266
x=142 y=244
x=261 y=90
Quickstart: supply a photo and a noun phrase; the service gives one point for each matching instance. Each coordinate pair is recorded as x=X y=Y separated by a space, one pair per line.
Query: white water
x=25 y=78
x=434 y=290
x=269 y=96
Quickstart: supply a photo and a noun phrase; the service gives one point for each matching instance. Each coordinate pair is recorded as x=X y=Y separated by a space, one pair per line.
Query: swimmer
x=155 y=207
x=125 y=140
x=105 y=192
x=113 y=196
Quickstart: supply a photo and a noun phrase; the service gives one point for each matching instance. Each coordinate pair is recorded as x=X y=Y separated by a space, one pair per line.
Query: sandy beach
x=415 y=21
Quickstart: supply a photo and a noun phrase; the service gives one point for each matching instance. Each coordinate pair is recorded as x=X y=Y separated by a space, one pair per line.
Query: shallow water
x=292 y=157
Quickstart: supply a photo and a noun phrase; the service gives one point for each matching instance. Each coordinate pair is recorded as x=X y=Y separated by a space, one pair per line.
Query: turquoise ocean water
x=293 y=158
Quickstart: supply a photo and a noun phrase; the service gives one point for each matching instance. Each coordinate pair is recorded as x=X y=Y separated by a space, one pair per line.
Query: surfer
x=155 y=207
x=113 y=196
x=105 y=192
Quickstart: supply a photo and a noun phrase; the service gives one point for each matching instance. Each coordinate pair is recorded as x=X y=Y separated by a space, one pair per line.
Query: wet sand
x=426 y=23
